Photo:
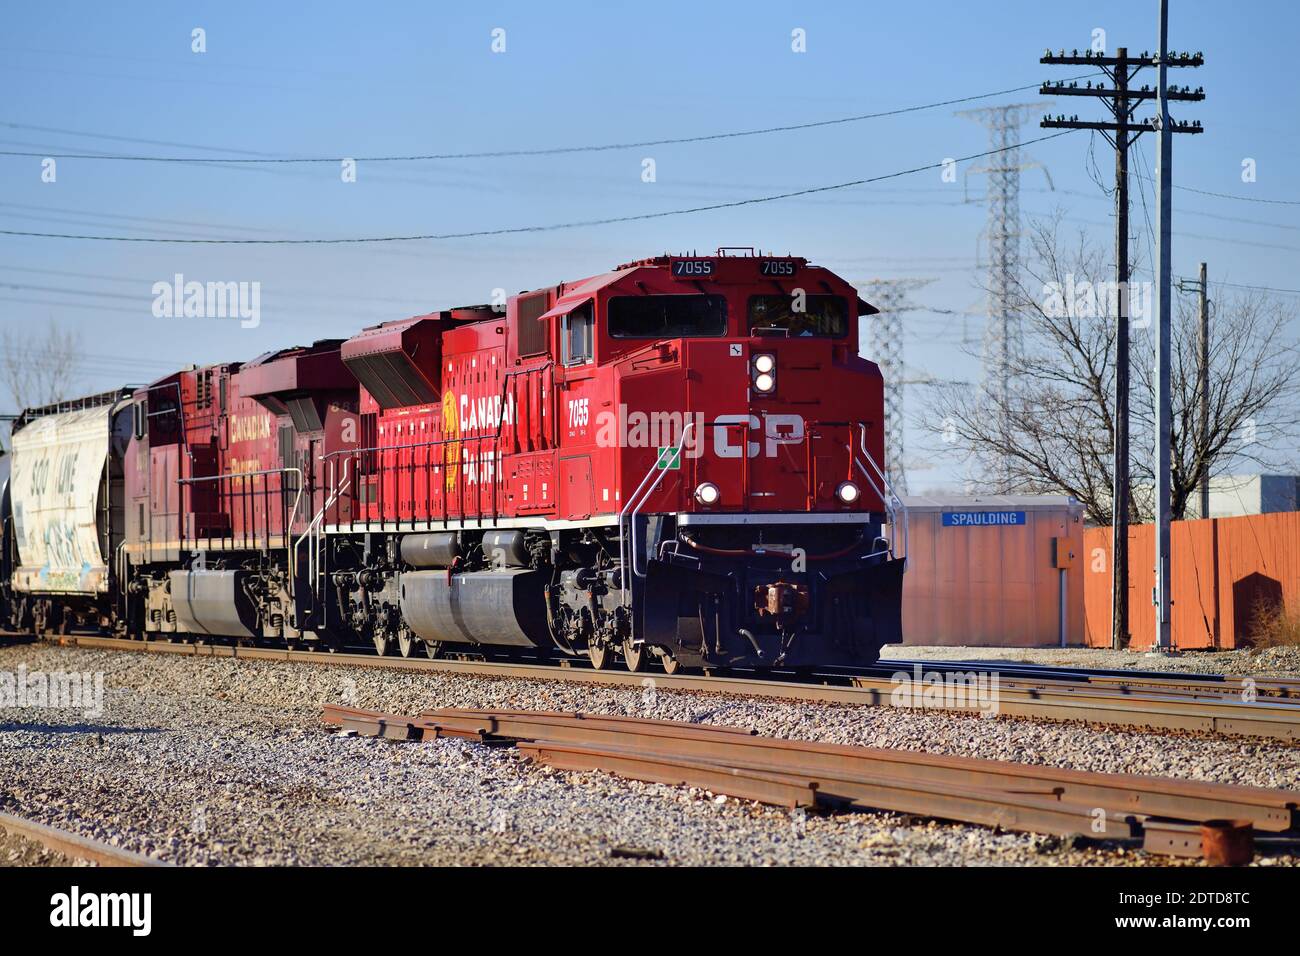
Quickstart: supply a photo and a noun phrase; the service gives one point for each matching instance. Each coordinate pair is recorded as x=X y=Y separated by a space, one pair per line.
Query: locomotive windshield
x=822 y=315
x=667 y=316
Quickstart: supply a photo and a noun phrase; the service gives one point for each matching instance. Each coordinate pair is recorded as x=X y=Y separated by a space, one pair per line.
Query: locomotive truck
x=676 y=462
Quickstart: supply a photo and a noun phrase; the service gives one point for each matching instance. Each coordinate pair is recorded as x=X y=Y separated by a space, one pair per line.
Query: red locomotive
x=675 y=461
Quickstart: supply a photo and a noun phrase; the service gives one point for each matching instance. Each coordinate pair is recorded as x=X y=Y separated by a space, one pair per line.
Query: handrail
x=329 y=502
x=893 y=503
x=432 y=442
x=635 y=506
x=442 y=442
x=292 y=515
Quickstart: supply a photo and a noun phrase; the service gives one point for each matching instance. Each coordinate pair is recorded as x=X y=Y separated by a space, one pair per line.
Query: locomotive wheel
x=671 y=664
x=406 y=642
x=382 y=643
x=601 y=656
x=432 y=649
x=634 y=657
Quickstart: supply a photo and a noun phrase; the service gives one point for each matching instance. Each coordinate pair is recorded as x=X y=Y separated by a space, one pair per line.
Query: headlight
x=763 y=369
x=847 y=492
x=707 y=493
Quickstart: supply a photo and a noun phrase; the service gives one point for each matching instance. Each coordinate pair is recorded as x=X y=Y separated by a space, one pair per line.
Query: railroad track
x=1194 y=684
x=1217 y=822
x=74 y=845
x=1174 y=704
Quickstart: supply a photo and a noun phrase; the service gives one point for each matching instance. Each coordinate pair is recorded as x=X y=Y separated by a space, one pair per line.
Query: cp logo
x=776 y=430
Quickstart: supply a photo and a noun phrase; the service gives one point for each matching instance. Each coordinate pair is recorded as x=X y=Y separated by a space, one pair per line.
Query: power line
x=1206 y=192
x=1254 y=288
x=289 y=293
x=1184 y=212
x=547 y=228
x=1204 y=237
x=546 y=151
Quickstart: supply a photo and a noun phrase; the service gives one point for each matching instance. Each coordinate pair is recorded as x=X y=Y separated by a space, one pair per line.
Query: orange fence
x=1223 y=570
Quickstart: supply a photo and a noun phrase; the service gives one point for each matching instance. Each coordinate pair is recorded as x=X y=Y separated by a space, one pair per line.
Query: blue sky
x=349 y=79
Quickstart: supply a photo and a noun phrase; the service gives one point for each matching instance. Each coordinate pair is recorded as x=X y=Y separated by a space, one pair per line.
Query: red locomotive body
x=676 y=459
x=673 y=462
x=222 y=478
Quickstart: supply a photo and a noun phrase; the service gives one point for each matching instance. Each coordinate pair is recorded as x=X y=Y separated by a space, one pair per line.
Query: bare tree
x=39 y=369
x=1053 y=431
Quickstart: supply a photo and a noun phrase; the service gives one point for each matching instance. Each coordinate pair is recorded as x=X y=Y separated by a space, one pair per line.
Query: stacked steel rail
x=1167 y=816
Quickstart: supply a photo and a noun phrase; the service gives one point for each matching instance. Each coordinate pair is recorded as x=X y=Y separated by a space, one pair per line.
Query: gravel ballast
x=206 y=761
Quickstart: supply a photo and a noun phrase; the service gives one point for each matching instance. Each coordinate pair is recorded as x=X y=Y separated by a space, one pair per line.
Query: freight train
x=675 y=463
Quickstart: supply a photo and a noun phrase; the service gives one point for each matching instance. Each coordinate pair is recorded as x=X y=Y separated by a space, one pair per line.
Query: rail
x=74 y=844
x=1168 y=816
x=1135 y=704
x=893 y=503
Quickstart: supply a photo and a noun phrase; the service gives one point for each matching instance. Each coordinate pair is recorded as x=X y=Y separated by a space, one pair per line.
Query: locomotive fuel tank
x=213 y=602
x=505 y=606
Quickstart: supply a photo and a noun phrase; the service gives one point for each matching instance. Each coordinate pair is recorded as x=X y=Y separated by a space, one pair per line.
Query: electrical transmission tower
x=884 y=344
x=1002 y=336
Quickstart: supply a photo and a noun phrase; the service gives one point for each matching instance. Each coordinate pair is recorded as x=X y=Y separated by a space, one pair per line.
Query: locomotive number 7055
x=579 y=413
x=694 y=268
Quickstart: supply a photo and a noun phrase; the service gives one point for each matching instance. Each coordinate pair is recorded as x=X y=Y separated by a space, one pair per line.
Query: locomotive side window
x=825 y=316
x=164 y=421
x=578 y=327
x=667 y=316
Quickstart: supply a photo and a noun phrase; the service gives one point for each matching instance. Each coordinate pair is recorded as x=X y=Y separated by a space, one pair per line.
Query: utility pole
x=1121 y=99
x=1164 y=261
x=1201 y=286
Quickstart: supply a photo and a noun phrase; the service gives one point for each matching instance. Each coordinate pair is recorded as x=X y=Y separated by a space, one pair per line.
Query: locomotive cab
x=743 y=434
